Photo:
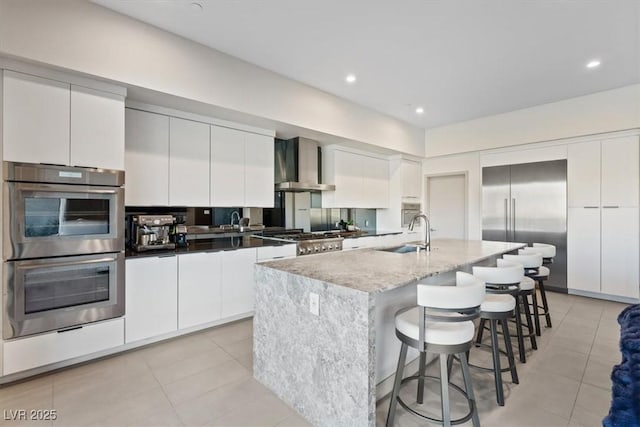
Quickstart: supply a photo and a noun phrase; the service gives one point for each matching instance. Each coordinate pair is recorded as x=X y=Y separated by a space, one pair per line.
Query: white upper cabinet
x=35 y=127
x=259 y=171
x=620 y=171
x=188 y=163
x=583 y=174
x=97 y=129
x=146 y=159
x=375 y=182
x=411 y=179
x=47 y=121
x=361 y=181
x=227 y=167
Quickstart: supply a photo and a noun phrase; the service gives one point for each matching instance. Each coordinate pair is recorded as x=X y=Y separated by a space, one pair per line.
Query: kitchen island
x=331 y=365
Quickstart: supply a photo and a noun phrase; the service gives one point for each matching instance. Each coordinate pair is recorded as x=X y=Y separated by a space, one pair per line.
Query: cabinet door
x=97 y=129
x=227 y=167
x=583 y=249
x=348 y=180
x=259 y=171
x=151 y=297
x=238 y=293
x=146 y=158
x=375 y=182
x=411 y=179
x=583 y=174
x=188 y=163
x=199 y=291
x=620 y=252
x=35 y=119
x=620 y=171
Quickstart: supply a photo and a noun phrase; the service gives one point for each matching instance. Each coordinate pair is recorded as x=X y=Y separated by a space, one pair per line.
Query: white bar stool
x=548 y=253
x=497 y=307
x=441 y=323
x=530 y=263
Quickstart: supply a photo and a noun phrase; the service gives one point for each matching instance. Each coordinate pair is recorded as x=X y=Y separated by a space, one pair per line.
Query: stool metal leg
x=536 y=315
x=545 y=304
x=480 y=331
x=527 y=312
x=519 y=332
x=444 y=390
x=510 y=357
x=469 y=389
x=421 y=368
x=402 y=359
x=495 y=351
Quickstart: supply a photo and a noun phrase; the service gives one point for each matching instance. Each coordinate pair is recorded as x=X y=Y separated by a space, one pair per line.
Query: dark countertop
x=210 y=245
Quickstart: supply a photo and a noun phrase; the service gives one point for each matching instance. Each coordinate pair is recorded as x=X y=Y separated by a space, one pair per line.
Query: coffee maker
x=151 y=232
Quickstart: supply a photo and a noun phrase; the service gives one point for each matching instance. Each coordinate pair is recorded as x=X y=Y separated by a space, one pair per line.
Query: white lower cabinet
x=40 y=350
x=583 y=249
x=199 y=288
x=151 y=297
x=620 y=231
x=603 y=248
x=268 y=253
x=238 y=292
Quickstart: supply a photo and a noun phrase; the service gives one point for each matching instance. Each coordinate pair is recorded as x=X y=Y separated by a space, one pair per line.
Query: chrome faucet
x=427 y=232
x=237 y=215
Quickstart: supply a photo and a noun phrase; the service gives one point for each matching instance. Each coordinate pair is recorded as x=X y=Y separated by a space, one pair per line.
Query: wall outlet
x=314 y=303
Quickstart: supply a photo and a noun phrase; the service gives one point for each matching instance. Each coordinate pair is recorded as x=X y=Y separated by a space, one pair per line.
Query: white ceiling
x=458 y=59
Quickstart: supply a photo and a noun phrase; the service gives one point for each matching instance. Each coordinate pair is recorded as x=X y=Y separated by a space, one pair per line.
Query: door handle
x=513 y=219
x=506 y=219
x=590 y=207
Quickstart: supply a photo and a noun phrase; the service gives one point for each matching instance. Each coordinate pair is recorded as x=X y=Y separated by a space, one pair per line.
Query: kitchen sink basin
x=400 y=249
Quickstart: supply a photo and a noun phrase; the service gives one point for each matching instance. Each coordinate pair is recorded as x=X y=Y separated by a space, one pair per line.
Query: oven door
x=47 y=220
x=55 y=293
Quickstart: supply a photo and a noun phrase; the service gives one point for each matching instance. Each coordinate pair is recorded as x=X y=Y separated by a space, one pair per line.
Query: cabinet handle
x=590 y=207
x=611 y=207
x=278 y=257
x=73 y=328
x=166 y=256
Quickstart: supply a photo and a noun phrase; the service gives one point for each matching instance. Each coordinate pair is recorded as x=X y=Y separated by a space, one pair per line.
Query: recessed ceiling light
x=593 y=63
x=419 y=110
x=351 y=78
x=196 y=7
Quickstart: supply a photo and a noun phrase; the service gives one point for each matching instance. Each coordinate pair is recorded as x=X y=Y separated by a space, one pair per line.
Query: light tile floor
x=206 y=379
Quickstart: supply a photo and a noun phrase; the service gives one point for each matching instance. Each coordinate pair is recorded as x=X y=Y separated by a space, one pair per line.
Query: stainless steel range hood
x=298 y=166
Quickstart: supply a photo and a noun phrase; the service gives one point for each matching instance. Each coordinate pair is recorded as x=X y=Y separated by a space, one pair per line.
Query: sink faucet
x=237 y=215
x=427 y=232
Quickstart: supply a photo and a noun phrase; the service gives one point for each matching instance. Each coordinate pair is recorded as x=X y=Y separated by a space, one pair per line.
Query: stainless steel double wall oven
x=63 y=247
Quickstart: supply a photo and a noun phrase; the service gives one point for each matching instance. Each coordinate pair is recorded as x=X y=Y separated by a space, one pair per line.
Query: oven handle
x=27 y=265
x=64 y=188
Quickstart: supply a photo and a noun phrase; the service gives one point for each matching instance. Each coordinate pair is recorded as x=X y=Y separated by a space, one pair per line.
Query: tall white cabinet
x=603 y=236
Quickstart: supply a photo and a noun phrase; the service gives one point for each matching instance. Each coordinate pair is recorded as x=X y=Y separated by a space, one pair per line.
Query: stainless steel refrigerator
x=528 y=203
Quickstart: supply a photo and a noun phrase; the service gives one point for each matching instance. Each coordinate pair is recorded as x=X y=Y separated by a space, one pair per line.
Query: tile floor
x=206 y=379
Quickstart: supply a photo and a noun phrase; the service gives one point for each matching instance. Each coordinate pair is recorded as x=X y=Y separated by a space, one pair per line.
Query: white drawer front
x=32 y=352
x=271 y=252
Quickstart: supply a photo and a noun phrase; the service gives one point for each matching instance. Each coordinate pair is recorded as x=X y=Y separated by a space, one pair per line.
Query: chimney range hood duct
x=297 y=164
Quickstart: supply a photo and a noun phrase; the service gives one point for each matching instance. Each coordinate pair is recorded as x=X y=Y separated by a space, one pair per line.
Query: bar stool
x=441 y=323
x=498 y=306
x=528 y=262
x=548 y=253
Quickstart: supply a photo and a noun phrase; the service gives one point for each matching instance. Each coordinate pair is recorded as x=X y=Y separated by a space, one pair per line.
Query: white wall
x=607 y=111
x=469 y=163
x=80 y=36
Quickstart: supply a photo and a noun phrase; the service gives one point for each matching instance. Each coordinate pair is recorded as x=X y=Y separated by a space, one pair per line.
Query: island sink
x=400 y=249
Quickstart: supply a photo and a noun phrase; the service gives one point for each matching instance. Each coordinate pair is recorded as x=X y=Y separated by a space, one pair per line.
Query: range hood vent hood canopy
x=298 y=166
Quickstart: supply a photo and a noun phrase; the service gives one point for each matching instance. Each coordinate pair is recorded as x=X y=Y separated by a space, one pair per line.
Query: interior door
x=495 y=203
x=447 y=206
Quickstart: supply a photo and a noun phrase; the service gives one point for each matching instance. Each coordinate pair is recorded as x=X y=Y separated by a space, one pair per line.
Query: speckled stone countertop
x=372 y=271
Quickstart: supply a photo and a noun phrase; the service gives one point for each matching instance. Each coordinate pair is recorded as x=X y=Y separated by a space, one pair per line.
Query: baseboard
x=599 y=295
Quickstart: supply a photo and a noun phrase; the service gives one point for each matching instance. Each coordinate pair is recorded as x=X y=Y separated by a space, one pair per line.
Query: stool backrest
x=468 y=293
x=547 y=250
x=506 y=273
x=527 y=260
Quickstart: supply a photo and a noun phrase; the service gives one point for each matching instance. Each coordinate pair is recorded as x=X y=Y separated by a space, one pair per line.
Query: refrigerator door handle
x=506 y=218
x=513 y=220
